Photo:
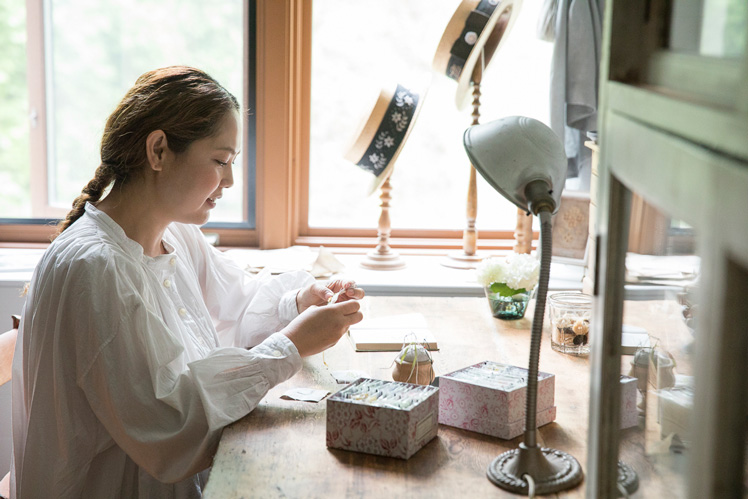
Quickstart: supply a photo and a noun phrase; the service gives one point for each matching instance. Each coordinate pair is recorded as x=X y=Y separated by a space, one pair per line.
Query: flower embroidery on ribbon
x=391 y=131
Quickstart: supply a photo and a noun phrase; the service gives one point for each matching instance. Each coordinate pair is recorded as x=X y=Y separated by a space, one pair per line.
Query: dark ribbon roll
x=391 y=131
x=464 y=44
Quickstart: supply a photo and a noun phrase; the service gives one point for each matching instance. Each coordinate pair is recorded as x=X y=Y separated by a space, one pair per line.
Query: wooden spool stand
x=383 y=258
x=469 y=258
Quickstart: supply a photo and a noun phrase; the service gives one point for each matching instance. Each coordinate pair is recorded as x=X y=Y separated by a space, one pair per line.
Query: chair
x=7 y=346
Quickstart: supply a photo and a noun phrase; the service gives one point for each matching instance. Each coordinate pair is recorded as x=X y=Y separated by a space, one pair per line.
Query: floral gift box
x=386 y=418
x=490 y=398
x=629 y=410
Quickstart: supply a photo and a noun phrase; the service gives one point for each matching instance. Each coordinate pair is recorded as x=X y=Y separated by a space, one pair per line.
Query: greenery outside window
x=68 y=64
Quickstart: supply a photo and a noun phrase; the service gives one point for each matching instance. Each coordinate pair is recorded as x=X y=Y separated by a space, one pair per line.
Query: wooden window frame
x=283 y=101
x=283 y=146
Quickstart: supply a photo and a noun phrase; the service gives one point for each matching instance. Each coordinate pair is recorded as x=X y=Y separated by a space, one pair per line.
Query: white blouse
x=127 y=367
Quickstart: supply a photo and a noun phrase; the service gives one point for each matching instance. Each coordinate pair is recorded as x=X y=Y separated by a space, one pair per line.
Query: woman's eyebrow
x=229 y=149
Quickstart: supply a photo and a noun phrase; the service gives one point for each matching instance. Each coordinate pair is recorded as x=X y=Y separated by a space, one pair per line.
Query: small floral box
x=629 y=411
x=490 y=398
x=386 y=418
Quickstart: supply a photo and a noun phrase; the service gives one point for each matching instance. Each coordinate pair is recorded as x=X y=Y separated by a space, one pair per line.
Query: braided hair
x=184 y=102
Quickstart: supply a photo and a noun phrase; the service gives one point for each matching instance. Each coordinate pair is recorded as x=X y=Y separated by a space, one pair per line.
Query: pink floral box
x=490 y=398
x=629 y=411
x=359 y=426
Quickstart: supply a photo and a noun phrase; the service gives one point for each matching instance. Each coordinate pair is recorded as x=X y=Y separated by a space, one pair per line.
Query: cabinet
x=674 y=131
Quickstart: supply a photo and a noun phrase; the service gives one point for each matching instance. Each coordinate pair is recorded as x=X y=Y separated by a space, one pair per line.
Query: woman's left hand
x=318 y=294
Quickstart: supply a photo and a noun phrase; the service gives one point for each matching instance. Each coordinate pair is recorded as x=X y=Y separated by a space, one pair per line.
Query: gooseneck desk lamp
x=525 y=162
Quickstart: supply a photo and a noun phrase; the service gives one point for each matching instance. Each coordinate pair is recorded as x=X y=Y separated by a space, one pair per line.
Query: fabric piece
x=127 y=367
x=574 y=79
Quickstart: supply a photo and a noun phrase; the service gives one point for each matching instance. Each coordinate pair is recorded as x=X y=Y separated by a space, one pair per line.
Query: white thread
x=530 y=485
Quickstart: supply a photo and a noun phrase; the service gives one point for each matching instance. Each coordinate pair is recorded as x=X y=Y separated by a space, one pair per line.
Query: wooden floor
x=279 y=449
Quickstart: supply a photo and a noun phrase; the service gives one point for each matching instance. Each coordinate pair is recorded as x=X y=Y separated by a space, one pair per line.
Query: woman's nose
x=228 y=177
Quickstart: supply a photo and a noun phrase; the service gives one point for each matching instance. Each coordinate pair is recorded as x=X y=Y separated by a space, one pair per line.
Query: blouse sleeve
x=245 y=309
x=165 y=413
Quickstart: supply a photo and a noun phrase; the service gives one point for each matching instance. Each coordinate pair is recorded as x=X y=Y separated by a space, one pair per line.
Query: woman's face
x=197 y=177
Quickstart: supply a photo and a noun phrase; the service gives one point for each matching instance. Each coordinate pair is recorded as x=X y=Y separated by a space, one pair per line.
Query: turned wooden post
x=383 y=258
x=470 y=234
x=523 y=233
x=468 y=259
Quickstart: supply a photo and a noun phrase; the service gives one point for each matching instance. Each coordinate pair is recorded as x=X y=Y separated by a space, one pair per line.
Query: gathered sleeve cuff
x=232 y=383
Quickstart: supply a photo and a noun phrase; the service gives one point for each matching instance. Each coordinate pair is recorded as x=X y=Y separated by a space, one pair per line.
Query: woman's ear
x=156 y=148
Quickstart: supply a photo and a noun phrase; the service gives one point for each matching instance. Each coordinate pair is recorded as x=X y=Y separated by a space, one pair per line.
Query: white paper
x=305 y=394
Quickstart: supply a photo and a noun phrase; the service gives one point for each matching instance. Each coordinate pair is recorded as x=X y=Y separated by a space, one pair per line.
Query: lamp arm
x=546 y=242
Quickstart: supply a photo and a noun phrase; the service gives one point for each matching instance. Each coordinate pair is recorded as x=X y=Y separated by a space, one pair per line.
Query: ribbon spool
x=413 y=365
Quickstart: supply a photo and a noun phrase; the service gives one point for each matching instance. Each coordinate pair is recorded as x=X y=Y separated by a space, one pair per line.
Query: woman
x=139 y=341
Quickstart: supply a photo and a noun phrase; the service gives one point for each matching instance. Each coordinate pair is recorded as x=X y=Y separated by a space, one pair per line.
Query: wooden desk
x=279 y=449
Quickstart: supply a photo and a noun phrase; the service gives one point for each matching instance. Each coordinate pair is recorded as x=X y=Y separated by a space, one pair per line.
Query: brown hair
x=186 y=103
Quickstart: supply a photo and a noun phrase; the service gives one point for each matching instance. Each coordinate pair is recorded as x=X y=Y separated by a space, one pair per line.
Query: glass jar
x=508 y=307
x=570 y=322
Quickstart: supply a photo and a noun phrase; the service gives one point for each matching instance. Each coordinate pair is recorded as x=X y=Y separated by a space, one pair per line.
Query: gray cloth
x=574 y=79
x=546 y=27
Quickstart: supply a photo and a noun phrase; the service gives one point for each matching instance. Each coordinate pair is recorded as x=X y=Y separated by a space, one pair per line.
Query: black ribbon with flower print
x=391 y=131
x=464 y=44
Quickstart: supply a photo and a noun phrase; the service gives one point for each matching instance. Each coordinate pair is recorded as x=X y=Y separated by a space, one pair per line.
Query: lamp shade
x=514 y=151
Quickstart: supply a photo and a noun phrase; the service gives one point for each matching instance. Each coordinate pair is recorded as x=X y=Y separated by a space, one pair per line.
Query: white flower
x=518 y=271
x=490 y=270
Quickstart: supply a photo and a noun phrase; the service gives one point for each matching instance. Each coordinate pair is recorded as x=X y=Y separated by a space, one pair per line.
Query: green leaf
x=504 y=290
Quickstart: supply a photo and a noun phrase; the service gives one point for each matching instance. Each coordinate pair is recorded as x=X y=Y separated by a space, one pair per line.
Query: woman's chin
x=198 y=218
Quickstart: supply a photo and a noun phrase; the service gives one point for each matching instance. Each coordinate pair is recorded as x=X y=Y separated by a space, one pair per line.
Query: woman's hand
x=317 y=294
x=319 y=328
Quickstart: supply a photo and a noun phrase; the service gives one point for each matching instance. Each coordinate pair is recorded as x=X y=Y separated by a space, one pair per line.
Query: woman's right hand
x=319 y=328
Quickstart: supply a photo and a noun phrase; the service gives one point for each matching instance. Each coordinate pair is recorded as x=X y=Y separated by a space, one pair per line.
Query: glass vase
x=508 y=308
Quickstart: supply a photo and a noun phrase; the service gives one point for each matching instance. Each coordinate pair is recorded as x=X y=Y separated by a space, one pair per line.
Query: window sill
x=424 y=275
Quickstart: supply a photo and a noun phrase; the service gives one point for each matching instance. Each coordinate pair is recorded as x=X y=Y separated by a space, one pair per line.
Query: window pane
x=98 y=49
x=660 y=321
x=15 y=195
x=360 y=47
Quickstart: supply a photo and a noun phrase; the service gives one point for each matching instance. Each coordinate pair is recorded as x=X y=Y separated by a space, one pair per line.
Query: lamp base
x=551 y=470
x=627 y=478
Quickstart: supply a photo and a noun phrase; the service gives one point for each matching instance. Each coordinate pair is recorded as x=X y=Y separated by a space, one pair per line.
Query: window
x=358 y=48
x=82 y=56
x=305 y=191
x=14 y=137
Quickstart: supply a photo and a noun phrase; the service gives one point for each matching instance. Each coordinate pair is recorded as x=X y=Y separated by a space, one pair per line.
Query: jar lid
x=571 y=299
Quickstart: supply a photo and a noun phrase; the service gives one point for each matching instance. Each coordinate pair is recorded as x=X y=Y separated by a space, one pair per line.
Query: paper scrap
x=345 y=377
x=305 y=394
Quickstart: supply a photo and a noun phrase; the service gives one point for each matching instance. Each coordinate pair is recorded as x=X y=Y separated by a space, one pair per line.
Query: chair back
x=7 y=346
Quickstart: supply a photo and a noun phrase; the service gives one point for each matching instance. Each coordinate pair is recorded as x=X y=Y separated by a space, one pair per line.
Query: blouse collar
x=134 y=249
